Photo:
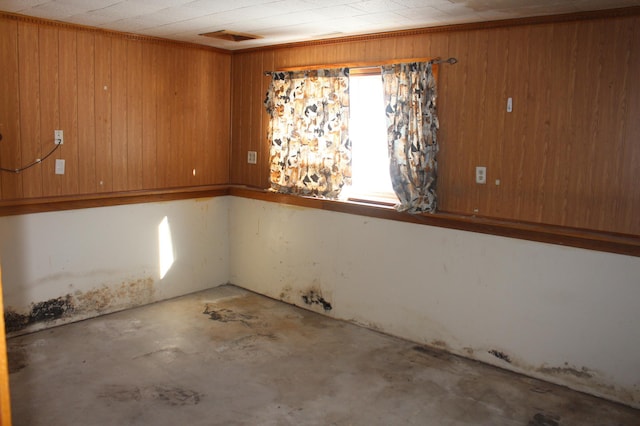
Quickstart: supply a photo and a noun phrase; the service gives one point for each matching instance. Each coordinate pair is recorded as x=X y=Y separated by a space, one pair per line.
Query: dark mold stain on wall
x=440 y=344
x=48 y=310
x=500 y=355
x=285 y=294
x=14 y=321
x=96 y=301
x=312 y=297
x=583 y=373
x=127 y=294
x=51 y=309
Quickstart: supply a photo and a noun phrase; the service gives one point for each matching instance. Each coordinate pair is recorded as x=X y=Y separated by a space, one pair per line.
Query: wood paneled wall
x=141 y=114
x=137 y=114
x=568 y=154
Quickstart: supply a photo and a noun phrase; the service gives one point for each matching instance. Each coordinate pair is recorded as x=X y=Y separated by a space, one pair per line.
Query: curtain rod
x=434 y=61
x=450 y=61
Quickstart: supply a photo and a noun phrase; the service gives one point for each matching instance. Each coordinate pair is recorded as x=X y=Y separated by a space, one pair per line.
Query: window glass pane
x=367 y=130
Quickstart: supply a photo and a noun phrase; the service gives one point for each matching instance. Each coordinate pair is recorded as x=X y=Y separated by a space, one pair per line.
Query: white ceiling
x=285 y=21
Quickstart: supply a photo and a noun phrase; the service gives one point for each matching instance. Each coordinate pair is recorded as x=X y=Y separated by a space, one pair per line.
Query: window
x=368 y=134
x=313 y=154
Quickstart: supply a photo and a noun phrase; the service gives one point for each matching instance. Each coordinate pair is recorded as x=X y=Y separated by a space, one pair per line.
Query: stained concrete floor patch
x=227 y=356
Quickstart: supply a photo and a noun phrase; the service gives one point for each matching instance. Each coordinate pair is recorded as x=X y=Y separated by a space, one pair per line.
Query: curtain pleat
x=412 y=124
x=310 y=149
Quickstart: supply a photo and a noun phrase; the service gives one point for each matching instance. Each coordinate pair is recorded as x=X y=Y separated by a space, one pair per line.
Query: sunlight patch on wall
x=165 y=247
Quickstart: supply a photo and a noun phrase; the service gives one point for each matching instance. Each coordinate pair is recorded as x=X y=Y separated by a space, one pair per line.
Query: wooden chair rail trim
x=39 y=205
x=552 y=234
x=559 y=235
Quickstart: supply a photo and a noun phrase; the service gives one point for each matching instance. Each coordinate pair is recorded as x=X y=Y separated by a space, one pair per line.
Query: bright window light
x=368 y=134
x=165 y=247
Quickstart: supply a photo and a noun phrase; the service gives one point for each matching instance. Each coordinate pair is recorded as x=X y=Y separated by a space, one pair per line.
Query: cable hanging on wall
x=33 y=163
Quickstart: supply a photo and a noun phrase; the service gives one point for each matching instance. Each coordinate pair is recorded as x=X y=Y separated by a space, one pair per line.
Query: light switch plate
x=59 y=167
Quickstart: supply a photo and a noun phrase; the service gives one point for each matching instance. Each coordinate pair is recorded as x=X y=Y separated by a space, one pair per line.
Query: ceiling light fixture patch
x=230 y=35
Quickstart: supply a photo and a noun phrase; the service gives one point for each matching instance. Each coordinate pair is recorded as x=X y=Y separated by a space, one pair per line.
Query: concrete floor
x=230 y=357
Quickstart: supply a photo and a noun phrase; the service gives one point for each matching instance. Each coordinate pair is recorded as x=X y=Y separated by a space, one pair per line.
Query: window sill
x=552 y=234
x=372 y=201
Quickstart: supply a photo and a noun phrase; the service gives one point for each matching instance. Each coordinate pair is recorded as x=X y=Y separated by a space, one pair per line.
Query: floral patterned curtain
x=310 y=148
x=412 y=124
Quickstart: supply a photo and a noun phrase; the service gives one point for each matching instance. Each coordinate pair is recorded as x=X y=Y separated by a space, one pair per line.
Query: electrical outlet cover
x=58 y=137
x=481 y=174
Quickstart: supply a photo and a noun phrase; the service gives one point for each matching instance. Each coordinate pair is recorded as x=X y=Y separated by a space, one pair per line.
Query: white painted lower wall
x=83 y=263
x=567 y=315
